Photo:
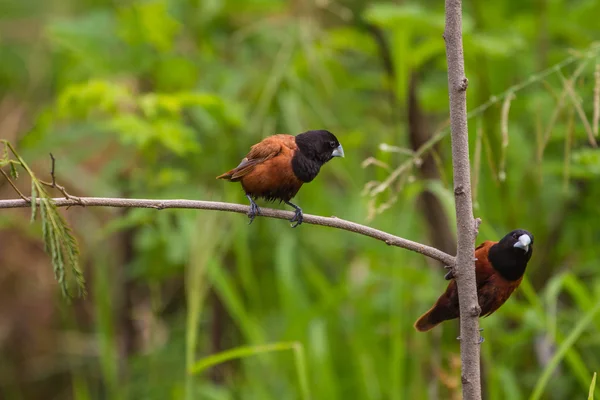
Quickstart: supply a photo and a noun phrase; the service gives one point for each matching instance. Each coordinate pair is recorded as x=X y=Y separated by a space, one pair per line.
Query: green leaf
x=59 y=241
x=390 y=15
x=93 y=97
x=13 y=171
x=592 y=388
x=90 y=40
x=34 y=199
x=588 y=160
x=426 y=50
x=565 y=346
x=148 y=23
x=249 y=351
x=494 y=46
x=175 y=73
x=61 y=245
x=168 y=132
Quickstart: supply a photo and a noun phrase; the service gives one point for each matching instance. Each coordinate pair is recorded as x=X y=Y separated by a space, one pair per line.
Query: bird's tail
x=227 y=175
x=435 y=316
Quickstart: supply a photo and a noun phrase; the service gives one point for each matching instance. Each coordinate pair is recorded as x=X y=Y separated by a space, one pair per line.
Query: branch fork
x=60 y=188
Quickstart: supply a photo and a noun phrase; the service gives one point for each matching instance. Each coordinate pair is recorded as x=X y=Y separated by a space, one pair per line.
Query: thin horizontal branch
x=332 y=222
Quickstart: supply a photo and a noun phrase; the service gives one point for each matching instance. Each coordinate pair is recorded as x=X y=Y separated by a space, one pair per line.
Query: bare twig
x=583 y=56
x=332 y=222
x=580 y=112
x=504 y=130
x=592 y=51
x=467 y=226
x=60 y=188
x=16 y=189
x=406 y=165
x=559 y=106
x=373 y=161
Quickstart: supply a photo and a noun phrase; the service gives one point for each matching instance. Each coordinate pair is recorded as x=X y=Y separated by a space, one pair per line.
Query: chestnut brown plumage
x=499 y=269
x=278 y=166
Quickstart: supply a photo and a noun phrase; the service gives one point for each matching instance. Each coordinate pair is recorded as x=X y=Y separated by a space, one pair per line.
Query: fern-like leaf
x=61 y=244
x=34 y=199
x=13 y=171
x=59 y=241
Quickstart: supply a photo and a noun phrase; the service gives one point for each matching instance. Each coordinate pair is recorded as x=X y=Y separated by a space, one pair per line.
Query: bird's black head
x=316 y=148
x=512 y=253
x=319 y=145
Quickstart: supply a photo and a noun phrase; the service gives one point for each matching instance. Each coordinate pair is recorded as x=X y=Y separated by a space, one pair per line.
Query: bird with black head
x=278 y=166
x=499 y=270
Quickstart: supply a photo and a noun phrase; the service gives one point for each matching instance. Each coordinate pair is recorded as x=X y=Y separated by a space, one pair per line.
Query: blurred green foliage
x=153 y=99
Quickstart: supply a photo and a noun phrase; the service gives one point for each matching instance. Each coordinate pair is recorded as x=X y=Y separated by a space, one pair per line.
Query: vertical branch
x=466 y=224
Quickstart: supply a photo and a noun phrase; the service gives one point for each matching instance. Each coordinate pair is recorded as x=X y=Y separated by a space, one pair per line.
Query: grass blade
x=249 y=351
x=562 y=351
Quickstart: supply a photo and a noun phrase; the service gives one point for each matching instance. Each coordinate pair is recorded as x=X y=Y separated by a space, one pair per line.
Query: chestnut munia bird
x=499 y=269
x=278 y=166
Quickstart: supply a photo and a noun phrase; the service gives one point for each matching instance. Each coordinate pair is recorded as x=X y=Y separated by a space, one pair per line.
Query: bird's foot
x=254 y=210
x=481 y=338
x=298 y=216
x=450 y=274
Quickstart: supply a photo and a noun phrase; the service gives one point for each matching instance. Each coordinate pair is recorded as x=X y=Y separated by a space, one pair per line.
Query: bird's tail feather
x=431 y=319
x=226 y=175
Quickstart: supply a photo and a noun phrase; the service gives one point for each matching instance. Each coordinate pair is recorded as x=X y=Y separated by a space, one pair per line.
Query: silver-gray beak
x=338 y=152
x=524 y=242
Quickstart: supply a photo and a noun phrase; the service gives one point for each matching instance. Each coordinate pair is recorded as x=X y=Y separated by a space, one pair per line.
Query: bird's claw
x=298 y=218
x=254 y=211
x=449 y=275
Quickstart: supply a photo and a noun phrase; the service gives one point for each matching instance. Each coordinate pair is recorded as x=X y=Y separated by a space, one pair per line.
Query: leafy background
x=153 y=99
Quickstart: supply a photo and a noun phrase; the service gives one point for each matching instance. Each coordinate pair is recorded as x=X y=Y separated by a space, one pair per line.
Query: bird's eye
x=332 y=144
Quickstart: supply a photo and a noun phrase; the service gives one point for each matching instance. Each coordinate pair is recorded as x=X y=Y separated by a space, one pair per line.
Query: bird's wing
x=483 y=267
x=497 y=290
x=481 y=252
x=259 y=153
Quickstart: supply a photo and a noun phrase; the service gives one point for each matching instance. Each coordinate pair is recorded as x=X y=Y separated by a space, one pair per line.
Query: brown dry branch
x=559 y=106
x=332 y=222
x=15 y=188
x=477 y=161
x=467 y=225
x=55 y=185
x=577 y=104
x=504 y=130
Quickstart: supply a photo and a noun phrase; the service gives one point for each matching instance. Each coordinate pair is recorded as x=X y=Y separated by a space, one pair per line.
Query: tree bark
x=466 y=224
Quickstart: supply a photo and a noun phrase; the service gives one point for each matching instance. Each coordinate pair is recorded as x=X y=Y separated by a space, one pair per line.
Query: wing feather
x=259 y=153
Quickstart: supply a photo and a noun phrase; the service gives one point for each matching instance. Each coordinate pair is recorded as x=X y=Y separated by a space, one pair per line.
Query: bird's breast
x=272 y=180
